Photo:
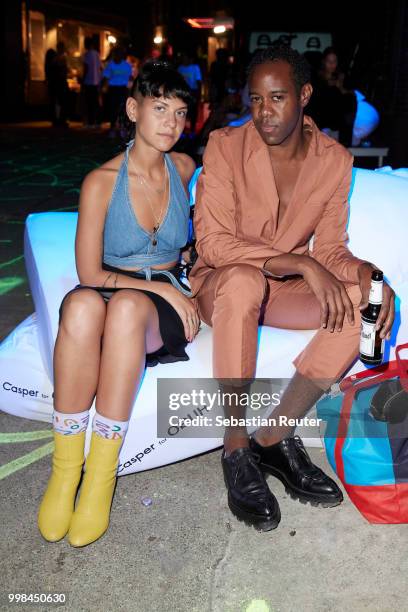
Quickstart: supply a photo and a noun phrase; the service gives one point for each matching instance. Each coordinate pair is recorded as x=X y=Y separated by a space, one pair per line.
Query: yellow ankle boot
x=57 y=504
x=91 y=517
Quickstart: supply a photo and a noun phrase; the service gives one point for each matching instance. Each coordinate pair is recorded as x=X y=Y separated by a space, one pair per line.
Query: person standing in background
x=92 y=69
x=192 y=75
x=57 y=73
x=334 y=106
x=135 y=64
x=48 y=68
x=118 y=73
x=219 y=72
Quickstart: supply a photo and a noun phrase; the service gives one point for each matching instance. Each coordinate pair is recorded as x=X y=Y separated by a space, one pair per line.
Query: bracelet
x=268 y=273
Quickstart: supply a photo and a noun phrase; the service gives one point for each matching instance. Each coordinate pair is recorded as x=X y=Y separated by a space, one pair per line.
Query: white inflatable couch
x=378 y=232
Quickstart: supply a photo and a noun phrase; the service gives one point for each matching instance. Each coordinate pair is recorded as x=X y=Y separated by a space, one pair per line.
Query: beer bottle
x=371 y=345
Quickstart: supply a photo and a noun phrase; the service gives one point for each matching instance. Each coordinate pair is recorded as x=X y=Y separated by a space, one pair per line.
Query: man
x=266 y=189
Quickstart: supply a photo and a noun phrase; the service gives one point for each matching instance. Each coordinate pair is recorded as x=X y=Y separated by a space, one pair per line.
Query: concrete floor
x=186 y=552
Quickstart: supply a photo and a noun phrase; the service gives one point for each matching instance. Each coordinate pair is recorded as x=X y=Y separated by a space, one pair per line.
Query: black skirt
x=170 y=324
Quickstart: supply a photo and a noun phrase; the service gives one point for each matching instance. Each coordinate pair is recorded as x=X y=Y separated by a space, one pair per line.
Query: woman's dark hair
x=330 y=51
x=160 y=78
x=157 y=78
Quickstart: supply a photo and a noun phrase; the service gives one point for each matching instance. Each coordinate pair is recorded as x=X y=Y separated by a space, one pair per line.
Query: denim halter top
x=127 y=244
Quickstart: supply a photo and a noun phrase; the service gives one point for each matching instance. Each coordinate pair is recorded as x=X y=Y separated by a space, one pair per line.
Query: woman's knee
x=130 y=307
x=83 y=309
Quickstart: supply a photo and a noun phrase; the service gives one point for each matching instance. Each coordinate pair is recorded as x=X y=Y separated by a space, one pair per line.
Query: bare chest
x=286 y=177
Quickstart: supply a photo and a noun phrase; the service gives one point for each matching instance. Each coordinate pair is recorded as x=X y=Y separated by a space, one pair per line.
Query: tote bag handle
x=391 y=369
x=402 y=365
x=364 y=379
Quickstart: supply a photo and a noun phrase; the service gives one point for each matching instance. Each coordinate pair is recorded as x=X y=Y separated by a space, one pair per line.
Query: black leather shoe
x=289 y=461
x=249 y=497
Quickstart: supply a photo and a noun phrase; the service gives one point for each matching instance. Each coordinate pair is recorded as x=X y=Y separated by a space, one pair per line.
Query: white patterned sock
x=110 y=429
x=68 y=424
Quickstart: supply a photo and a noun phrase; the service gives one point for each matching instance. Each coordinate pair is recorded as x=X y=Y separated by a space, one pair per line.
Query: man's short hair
x=299 y=64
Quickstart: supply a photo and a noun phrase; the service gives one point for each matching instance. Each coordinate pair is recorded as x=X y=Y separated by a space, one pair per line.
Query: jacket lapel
x=304 y=187
x=259 y=166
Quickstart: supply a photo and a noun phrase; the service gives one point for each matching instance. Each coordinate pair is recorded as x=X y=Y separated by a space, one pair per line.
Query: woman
x=337 y=105
x=130 y=309
x=330 y=69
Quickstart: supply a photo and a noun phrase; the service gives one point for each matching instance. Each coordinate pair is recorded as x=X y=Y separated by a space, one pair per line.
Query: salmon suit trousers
x=236 y=298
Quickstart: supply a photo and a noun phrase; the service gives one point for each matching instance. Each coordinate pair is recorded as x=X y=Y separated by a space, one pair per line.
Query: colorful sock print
x=68 y=424
x=110 y=429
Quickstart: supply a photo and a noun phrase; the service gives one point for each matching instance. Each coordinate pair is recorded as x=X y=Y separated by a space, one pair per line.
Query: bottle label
x=367 y=339
x=376 y=292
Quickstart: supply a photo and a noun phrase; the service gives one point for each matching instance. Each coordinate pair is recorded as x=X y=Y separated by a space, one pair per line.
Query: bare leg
x=76 y=371
x=131 y=331
x=77 y=351
x=129 y=326
x=300 y=395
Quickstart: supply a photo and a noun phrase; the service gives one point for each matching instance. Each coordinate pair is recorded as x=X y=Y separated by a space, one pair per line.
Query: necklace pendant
x=154 y=240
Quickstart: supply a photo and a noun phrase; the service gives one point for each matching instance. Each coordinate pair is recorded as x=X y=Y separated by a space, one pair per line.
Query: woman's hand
x=186 y=254
x=332 y=295
x=185 y=308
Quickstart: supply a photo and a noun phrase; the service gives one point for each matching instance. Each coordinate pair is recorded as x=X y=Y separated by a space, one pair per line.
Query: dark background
x=379 y=33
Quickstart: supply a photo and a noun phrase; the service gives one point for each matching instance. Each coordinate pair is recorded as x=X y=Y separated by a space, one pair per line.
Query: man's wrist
x=306 y=263
x=268 y=272
x=366 y=265
x=292 y=263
